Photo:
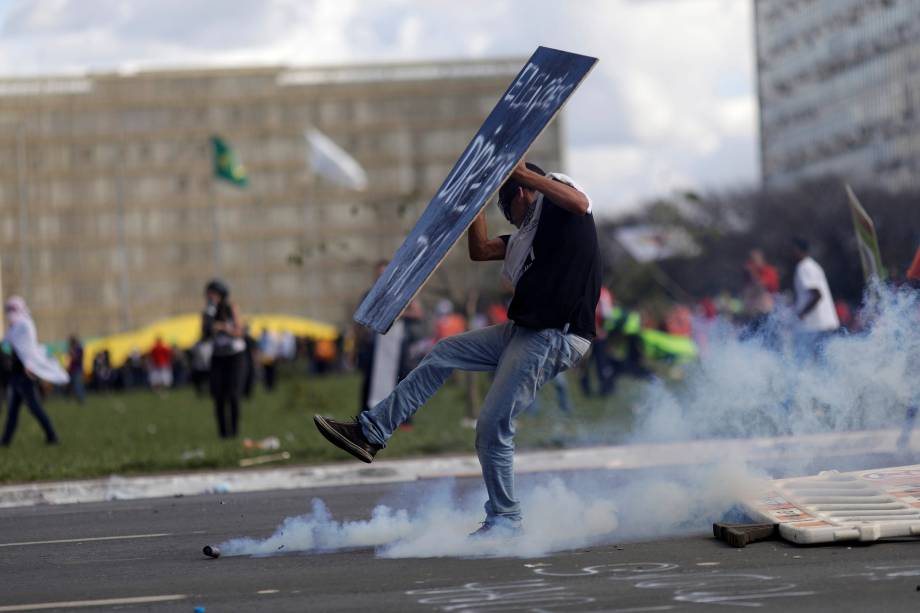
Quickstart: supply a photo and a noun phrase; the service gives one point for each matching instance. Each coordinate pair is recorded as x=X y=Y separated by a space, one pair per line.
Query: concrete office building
x=839 y=90
x=109 y=211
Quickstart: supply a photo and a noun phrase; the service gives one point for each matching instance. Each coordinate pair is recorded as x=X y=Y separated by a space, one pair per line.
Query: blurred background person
x=134 y=370
x=251 y=358
x=75 y=368
x=179 y=366
x=30 y=363
x=102 y=371
x=758 y=298
x=912 y=280
x=201 y=365
x=221 y=325
x=365 y=342
x=603 y=364
x=161 y=375
x=268 y=355
x=814 y=304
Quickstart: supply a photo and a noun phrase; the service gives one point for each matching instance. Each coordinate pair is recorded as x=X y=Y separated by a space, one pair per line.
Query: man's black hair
x=509 y=188
x=801 y=244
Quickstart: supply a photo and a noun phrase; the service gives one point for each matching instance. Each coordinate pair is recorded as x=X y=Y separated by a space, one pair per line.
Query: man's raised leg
x=477 y=350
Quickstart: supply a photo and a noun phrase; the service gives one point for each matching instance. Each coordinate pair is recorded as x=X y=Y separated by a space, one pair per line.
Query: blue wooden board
x=531 y=101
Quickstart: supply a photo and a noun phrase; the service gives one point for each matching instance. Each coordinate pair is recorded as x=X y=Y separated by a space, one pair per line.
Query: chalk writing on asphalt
x=556 y=588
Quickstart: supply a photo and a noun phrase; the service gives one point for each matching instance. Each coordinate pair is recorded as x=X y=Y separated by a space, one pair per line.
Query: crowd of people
x=163 y=365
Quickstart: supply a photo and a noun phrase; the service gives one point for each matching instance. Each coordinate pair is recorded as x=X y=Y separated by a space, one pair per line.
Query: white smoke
x=559 y=515
x=738 y=390
x=745 y=389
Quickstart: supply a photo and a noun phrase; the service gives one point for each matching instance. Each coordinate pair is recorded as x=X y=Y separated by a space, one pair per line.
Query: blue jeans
x=523 y=359
x=23 y=388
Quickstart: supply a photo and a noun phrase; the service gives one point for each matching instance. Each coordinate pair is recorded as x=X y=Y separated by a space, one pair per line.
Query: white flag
x=330 y=161
x=648 y=243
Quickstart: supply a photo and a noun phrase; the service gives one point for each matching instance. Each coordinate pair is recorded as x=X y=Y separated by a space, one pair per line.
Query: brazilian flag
x=226 y=166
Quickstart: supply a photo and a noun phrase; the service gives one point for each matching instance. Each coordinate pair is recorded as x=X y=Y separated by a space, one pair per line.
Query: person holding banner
x=30 y=363
x=553 y=262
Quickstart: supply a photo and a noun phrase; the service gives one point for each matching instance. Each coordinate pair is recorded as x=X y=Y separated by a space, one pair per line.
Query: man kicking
x=552 y=261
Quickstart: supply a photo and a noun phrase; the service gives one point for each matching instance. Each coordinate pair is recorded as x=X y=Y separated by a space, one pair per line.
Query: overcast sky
x=671 y=104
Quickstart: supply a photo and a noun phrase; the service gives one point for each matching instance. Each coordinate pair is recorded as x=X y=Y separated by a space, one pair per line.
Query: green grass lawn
x=140 y=432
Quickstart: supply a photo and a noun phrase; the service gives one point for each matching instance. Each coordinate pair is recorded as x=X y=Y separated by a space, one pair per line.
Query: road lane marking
x=87 y=540
x=103 y=602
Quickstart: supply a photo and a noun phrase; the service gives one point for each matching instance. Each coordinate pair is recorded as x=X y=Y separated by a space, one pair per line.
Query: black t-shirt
x=561 y=283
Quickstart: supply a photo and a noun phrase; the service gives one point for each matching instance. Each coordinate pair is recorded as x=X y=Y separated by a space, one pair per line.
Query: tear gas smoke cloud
x=746 y=388
x=756 y=387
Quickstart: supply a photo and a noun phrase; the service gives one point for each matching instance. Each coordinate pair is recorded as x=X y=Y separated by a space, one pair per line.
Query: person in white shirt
x=814 y=304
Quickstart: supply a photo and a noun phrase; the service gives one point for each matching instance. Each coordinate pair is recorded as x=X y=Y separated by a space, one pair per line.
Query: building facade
x=111 y=218
x=839 y=90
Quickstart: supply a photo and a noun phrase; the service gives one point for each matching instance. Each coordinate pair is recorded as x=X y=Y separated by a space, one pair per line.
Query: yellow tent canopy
x=185 y=330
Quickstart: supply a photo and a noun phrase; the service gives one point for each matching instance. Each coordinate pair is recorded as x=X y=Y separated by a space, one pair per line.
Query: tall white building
x=839 y=90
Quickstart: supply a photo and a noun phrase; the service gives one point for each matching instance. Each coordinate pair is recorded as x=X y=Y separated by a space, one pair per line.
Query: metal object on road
x=866 y=505
x=212 y=551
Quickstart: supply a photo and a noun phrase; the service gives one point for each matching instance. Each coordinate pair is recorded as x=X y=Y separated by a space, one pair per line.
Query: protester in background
x=179 y=366
x=75 y=368
x=844 y=314
x=387 y=359
x=814 y=304
x=679 y=321
x=757 y=296
x=912 y=279
x=268 y=354
x=221 y=325
x=603 y=364
x=365 y=342
x=135 y=370
x=766 y=275
x=30 y=362
x=201 y=365
x=447 y=322
x=160 y=366
x=324 y=355
x=287 y=346
x=102 y=371
x=251 y=355
x=913 y=271
x=415 y=346
x=6 y=370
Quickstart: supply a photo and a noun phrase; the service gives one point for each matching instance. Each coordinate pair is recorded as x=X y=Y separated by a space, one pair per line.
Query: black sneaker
x=347 y=435
x=504 y=529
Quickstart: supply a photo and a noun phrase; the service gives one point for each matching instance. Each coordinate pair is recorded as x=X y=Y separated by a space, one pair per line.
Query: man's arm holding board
x=565 y=196
x=482 y=248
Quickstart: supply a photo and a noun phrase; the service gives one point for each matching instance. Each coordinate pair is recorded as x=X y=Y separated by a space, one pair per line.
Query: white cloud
x=619 y=176
x=671 y=102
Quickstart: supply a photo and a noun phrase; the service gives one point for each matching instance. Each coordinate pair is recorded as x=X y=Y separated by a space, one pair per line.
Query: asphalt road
x=102 y=555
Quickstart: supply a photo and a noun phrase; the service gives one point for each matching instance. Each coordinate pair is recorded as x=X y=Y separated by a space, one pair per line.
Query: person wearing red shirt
x=766 y=275
x=160 y=365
